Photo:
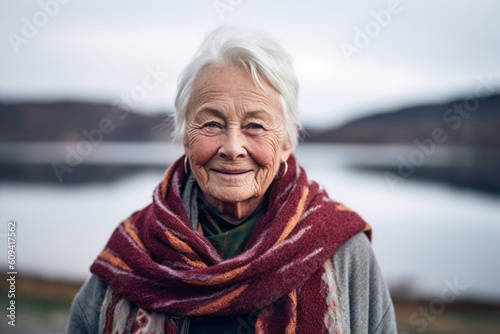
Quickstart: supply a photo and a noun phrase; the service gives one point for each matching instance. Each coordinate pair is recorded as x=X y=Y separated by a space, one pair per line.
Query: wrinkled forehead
x=229 y=82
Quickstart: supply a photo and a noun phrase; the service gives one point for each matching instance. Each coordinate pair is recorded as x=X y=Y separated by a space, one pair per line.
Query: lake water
x=424 y=233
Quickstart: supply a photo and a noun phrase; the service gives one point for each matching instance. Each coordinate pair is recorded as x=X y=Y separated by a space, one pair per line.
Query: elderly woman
x=237 y=239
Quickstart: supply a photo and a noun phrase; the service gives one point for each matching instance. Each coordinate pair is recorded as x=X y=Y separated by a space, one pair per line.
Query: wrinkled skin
x=235 y=138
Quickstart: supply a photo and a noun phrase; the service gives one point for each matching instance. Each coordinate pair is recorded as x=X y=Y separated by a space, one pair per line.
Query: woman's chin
x=233 y=196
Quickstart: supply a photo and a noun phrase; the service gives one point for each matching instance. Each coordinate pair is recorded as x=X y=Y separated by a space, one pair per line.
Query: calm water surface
x=424 y=233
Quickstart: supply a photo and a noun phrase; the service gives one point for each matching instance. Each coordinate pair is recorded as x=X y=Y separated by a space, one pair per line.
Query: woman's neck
x=234 y=211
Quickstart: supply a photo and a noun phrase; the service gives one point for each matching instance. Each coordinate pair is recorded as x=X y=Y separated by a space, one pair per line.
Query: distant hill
x=69 y=121
x=478 y=127
x=474 y=125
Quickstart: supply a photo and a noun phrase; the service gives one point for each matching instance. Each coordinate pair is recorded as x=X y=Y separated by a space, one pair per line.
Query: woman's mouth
x=232 y=172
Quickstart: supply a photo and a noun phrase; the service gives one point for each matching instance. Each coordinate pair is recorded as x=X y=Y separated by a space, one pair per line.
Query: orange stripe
x=368 y=231
x=195 y=264
x=259 y=326
x=219 y=278
x=127 y=226
x=183 y=247
x=200 y=230
x=220 y=303
x=295 y=218
x=178 y=244
x=367 y=228
x=342 y=207
x=292 y=325
x=115 y=261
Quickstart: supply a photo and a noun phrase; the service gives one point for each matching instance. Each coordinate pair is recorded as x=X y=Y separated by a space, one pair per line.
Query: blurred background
x=400 y=101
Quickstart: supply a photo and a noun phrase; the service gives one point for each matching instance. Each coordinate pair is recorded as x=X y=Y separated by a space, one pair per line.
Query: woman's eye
x=211 y=125
x=255 y=126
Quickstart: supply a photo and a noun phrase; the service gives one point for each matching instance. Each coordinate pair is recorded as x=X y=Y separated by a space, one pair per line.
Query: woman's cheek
x=265 y=150
x=201 y=148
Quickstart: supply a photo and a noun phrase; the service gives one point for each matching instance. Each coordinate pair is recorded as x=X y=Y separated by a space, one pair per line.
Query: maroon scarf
x=157 y=267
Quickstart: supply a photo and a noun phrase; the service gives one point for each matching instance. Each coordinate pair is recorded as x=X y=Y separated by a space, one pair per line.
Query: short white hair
x=260 y=55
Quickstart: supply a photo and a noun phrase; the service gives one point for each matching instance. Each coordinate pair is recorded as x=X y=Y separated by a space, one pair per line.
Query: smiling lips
x=231 y=172
x=232 y=175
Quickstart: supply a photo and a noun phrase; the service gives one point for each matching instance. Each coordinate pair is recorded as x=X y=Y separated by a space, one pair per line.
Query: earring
x=186 y=165
x=286 y=170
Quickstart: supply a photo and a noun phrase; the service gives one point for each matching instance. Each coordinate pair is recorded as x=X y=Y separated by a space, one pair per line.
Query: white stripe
x=309 y=211
x=335 y=319
x=288 y=241
x=160 y=304
x=302 y=260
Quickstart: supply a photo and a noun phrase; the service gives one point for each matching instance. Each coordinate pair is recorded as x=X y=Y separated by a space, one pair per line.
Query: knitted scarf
x=159 y=268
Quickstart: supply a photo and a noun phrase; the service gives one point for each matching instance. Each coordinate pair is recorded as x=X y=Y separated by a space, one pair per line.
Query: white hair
x=259 y=54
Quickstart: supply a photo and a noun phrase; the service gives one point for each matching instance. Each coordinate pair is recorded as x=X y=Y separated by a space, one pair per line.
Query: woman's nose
x=234 y=145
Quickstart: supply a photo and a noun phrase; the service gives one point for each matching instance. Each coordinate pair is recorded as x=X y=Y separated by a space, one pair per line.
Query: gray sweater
x=365 y=304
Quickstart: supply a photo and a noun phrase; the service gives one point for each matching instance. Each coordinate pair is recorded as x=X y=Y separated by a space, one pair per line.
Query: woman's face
x=235 y=138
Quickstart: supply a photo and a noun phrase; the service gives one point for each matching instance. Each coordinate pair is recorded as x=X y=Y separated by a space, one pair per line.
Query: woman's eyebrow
x=257 y=114
x=211 y=111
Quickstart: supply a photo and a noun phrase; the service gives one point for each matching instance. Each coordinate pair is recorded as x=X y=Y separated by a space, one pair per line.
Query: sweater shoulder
x=363 y=295
x=86 y=306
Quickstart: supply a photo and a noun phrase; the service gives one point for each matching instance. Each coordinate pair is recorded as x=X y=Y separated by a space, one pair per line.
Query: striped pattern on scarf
x=158 y=268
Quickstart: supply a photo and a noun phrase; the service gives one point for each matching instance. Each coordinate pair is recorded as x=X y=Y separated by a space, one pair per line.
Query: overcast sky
x=396 y=53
